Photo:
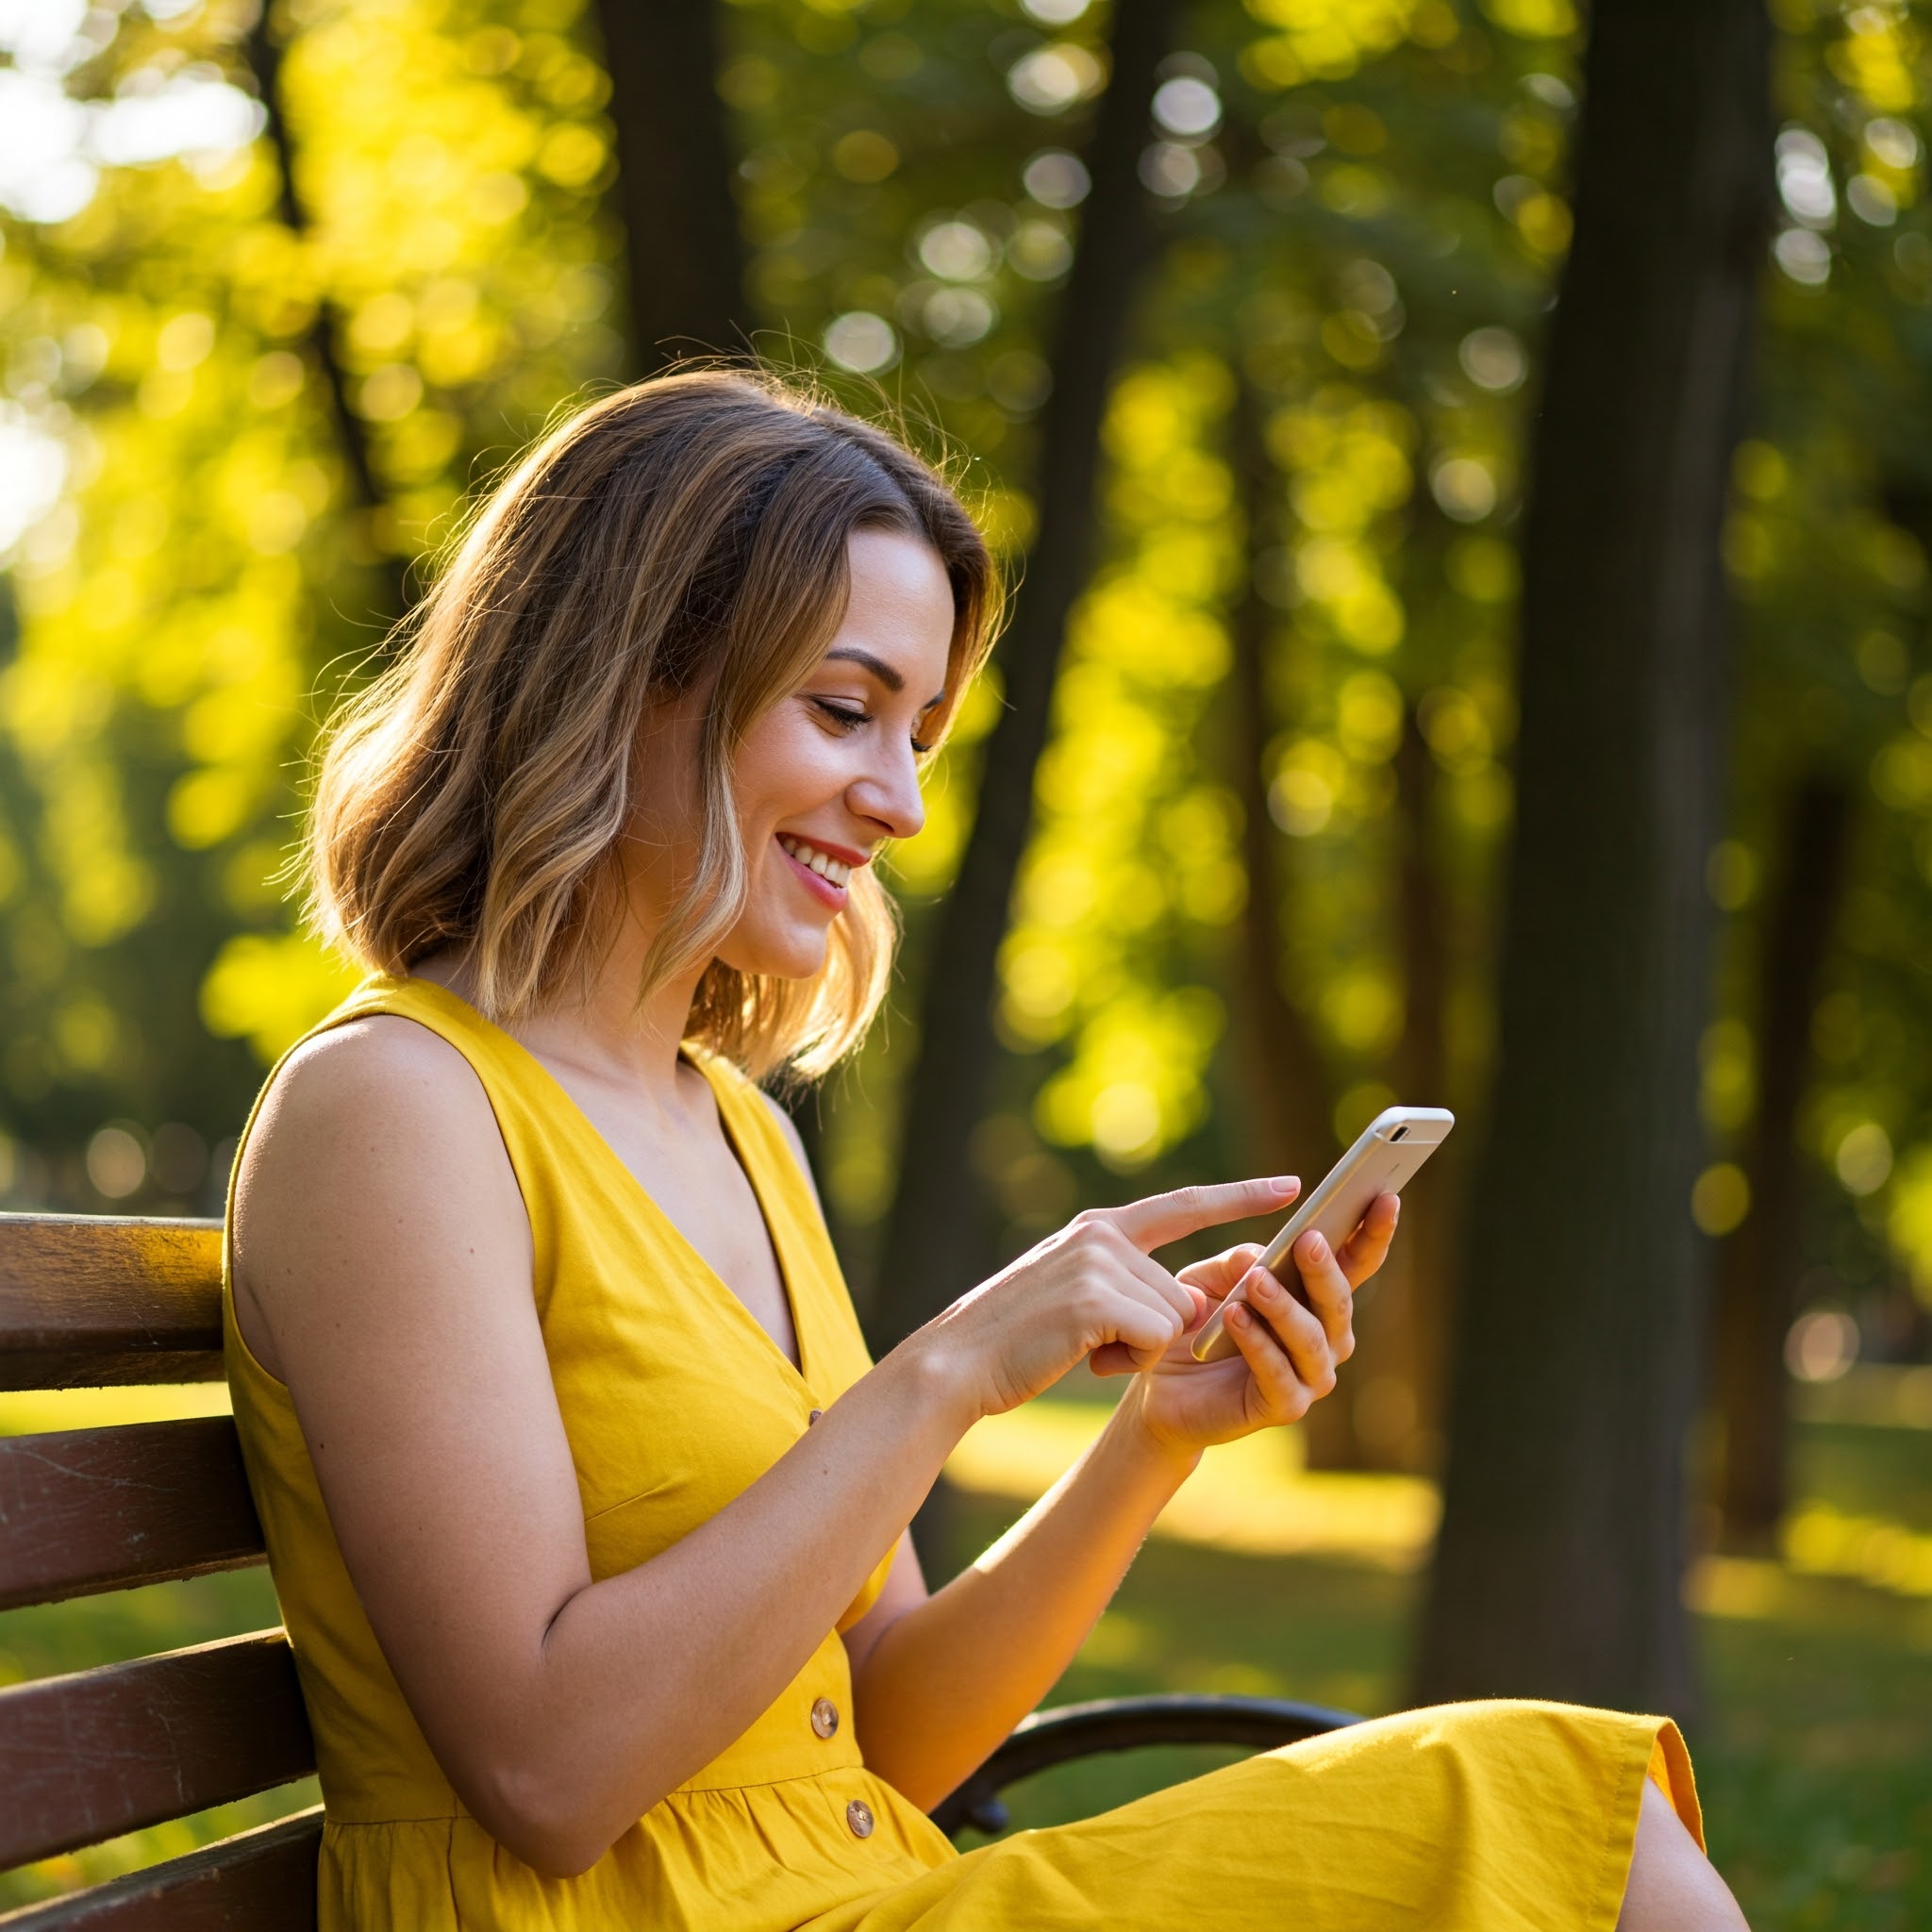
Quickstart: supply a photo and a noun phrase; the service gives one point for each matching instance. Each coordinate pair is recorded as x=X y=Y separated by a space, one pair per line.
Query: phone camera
x=1398 y=1133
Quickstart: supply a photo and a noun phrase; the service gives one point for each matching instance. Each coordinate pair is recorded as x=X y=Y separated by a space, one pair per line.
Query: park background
x=1466 y=467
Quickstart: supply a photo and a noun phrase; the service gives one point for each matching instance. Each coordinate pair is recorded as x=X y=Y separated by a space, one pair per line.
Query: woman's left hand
x=1288 y=1353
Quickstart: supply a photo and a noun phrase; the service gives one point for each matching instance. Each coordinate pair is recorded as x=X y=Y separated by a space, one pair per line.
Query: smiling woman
x=585 y=1508
x=477 y=790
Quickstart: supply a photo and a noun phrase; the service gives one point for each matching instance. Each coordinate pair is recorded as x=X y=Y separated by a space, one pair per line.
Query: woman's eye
x=849 y=718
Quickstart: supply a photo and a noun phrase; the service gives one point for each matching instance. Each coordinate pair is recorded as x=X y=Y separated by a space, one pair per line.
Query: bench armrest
x=1126 y=1724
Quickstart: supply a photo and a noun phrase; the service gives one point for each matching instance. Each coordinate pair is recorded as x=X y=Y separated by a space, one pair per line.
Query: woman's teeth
x=827 y=868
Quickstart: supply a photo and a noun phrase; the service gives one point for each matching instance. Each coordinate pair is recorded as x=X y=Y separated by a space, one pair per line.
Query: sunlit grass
x=1256 y=1497
x=1252 y=1495
x=1814 y=1756
x=29 y=1412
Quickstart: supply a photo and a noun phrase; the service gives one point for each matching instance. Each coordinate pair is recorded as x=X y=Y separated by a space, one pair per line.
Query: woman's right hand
x=1092 y=1289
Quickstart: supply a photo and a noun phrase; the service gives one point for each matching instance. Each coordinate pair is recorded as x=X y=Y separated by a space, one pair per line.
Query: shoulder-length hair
x=689 y=531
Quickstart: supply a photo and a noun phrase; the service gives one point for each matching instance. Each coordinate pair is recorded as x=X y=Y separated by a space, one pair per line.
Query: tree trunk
x=1291 y=1091
x=684 y=252
x=1290 y=1097
x=936 y=1237
x=1386 y=1410
x=1760 y=1263
x=1395 y=1384
x=1559 y=1569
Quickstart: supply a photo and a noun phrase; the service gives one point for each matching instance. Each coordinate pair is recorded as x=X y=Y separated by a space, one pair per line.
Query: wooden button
x=858 y=1816
x=824 y=1717
x=814 y=1416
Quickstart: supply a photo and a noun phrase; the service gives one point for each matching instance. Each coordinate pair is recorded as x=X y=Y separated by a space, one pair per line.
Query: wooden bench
x=93 y=1302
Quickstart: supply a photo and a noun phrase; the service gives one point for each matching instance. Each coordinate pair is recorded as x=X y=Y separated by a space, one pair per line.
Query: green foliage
x=1827 y=554
x=210 y=575
x=1361 y=205
x=1362 y=214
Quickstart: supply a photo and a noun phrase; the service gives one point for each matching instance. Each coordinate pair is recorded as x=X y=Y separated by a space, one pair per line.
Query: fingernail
x=1282 y=1182
x=1263 y=1284
x=1238 y=1315
x=1317 y=1247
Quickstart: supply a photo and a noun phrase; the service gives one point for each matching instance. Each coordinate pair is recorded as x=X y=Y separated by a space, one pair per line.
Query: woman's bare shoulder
x=377 y=1136
x=382 y=1071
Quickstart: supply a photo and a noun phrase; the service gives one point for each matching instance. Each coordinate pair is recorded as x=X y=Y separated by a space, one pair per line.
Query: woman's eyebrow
x=892 y=681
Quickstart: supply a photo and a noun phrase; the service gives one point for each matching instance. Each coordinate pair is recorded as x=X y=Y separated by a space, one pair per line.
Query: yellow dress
x=1472 y=1818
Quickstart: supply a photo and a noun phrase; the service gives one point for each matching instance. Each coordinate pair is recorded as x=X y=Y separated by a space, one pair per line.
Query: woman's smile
x=824 y=870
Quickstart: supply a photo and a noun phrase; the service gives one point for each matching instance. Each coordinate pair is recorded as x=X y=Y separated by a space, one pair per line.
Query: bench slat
x=98 y=1301
x=261 y=1878
x=84 y=1510
x=87 y=1757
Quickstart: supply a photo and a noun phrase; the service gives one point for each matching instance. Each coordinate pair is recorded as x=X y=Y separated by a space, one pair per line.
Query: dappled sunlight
x=1135 y=846
x=1255 y=1497
x=29 y=1412
x=1820 y=1539
x=1251 y=1497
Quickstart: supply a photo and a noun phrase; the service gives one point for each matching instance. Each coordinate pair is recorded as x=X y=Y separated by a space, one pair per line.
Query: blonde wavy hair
x=688 y=532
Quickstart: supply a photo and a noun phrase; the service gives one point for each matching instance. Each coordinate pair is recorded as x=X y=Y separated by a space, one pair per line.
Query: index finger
x=1162 y=1218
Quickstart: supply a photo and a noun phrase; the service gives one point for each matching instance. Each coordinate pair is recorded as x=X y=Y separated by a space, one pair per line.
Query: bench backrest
x=92 y=1302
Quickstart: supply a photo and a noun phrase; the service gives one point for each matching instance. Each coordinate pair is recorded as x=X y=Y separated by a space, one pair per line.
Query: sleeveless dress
x=1471 y=1817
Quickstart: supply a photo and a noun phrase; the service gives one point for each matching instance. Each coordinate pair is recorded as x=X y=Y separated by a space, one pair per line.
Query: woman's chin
x=776 y=956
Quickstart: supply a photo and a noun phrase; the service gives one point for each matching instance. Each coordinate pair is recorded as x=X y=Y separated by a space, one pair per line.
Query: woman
x=587 y=1510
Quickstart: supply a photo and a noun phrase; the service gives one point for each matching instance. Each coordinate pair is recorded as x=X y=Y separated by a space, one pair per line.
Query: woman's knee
x=1672 y=1887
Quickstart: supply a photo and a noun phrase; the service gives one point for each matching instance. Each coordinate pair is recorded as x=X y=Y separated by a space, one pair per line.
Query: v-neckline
x=723 y=1289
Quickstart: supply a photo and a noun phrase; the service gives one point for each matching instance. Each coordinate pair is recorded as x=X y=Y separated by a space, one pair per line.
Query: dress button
x=824 y=1717
x=813 y=1416
x=858 y=1816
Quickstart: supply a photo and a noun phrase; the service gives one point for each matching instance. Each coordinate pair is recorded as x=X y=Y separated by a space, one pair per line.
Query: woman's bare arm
x=939 y=1680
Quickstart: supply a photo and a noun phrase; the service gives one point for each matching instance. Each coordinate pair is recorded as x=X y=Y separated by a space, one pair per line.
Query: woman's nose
x=892 y=798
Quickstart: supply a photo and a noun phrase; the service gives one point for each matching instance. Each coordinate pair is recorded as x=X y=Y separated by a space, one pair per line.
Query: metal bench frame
x=94 y=1302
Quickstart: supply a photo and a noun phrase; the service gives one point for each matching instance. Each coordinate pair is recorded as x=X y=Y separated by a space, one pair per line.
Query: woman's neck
x=608 y=1035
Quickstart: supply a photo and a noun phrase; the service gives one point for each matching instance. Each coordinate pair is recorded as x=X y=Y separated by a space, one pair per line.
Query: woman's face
x=828 y=773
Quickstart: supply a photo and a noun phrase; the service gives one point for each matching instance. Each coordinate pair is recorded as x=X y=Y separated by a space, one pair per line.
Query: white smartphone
x=1392 y=1147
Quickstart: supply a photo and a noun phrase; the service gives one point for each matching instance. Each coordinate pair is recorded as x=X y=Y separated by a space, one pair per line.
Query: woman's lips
x=822 y=888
